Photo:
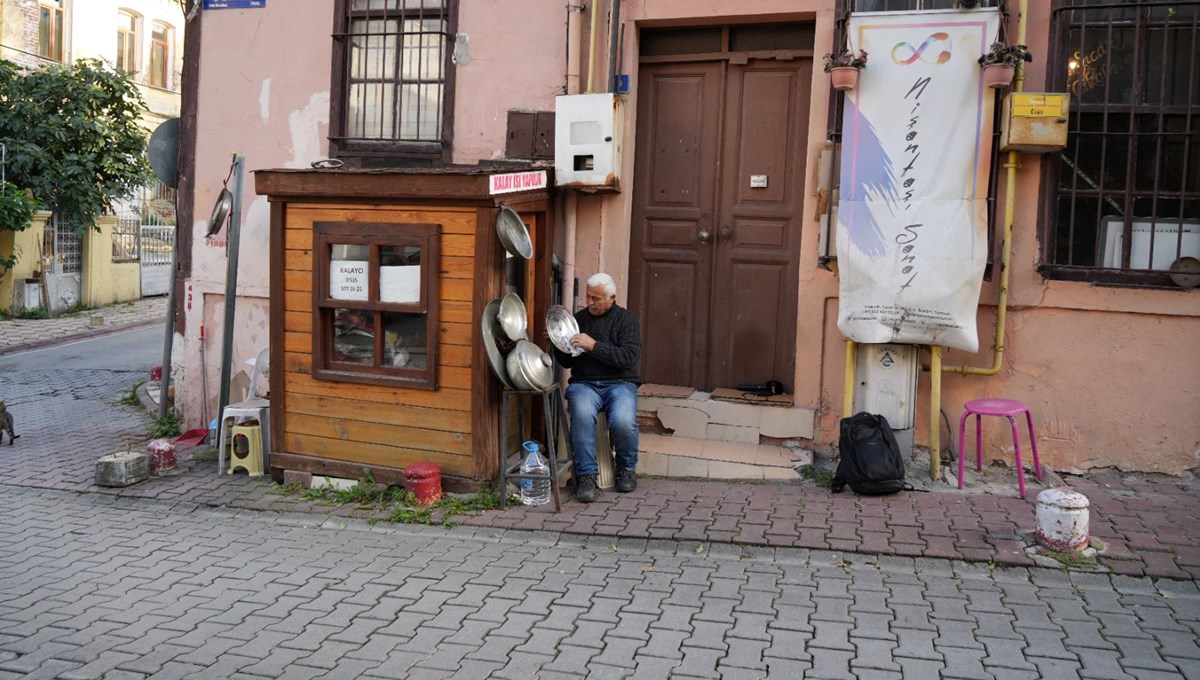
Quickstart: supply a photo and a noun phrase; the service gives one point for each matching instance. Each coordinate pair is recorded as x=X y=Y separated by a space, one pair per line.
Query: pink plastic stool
x=998 y=407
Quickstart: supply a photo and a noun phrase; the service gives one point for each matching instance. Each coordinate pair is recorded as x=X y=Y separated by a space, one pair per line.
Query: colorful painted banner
x=916 y=157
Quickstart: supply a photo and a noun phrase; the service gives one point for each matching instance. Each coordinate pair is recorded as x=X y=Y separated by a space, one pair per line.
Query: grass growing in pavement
x=130 y=398
x=38 y=312
x=401 y=506
x=166 y=426
x=823 y=477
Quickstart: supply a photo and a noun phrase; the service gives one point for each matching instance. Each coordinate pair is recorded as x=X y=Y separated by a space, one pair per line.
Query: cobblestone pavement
x=93 y=585
x=18 y=334
x=69 y=409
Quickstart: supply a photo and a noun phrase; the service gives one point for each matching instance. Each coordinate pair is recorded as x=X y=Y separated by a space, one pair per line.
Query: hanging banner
x=916 y=144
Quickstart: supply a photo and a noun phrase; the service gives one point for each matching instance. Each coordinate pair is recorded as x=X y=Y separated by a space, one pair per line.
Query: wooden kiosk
x=379 y=280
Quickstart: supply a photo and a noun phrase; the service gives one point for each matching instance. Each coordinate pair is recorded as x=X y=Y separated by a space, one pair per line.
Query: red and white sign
x=517 y=181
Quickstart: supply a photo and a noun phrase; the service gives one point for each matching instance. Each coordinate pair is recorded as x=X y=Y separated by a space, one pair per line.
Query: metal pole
x=231 y=273
x=169 y=336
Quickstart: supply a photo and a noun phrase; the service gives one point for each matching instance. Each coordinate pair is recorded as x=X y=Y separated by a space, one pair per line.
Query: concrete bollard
x=1062 y=520
x=122 y=469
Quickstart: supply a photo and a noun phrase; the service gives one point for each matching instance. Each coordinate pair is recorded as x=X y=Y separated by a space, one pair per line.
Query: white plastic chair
x=254 y=405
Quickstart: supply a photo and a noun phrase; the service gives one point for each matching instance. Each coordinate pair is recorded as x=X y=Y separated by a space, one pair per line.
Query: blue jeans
x=618 y=399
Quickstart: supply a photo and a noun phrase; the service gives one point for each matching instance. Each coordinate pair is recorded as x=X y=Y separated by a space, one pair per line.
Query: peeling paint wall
x=1111 y=374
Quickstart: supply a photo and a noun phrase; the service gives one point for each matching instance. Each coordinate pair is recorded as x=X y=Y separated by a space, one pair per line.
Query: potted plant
x=1000 y=63
x=843 y=67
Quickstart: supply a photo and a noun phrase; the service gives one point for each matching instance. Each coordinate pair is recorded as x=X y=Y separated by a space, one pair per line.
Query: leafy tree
x=16 y=214
x=73 y=136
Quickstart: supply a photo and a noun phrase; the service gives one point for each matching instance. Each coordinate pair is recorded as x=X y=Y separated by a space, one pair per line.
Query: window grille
x=125 y=239
x=844 y=7
x=1123 y=199
x=66 y=246
x=393 y=76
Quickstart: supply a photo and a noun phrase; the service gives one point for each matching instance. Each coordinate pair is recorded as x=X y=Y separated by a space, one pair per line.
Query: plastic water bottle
x=535 y=491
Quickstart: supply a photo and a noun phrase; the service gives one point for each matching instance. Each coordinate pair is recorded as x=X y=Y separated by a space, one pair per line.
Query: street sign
x=234 y=4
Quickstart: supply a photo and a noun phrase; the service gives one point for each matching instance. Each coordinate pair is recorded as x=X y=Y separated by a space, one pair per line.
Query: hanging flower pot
x=844 y=77
x=998 y=76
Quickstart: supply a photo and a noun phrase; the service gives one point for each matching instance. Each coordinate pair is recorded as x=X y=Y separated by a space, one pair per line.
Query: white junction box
x=587 y=141
x=887 y=383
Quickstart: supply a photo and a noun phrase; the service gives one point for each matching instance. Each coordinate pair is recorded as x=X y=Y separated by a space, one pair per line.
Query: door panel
x=713 y=259
x=674 y=194
x=758 y=246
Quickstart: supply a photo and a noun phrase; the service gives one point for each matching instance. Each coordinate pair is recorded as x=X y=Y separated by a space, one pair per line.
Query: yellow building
x=143 y=38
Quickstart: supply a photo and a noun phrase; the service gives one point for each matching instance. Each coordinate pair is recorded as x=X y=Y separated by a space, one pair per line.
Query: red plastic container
x=424 y=480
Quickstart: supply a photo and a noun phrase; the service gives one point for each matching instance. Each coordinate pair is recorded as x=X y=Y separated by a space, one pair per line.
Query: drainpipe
x=592 y=46
x=612 y=45
x=848 y=387
x=574 y=32
x=936 y=368
x=1010 y=199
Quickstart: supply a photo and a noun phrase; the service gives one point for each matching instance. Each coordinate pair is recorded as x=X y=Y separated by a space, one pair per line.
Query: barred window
x=125 y=239
x=1123 y=199
x=392 y=78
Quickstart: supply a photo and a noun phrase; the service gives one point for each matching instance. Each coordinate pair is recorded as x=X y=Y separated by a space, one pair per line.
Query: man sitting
x=604 y=378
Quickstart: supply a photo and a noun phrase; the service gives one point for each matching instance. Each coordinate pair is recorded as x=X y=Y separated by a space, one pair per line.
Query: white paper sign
x=912 y=216
x=400 y=284
x=348 y=279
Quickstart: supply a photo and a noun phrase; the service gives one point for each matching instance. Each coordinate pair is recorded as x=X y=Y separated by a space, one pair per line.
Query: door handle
x=725 y=233
x=705 y=235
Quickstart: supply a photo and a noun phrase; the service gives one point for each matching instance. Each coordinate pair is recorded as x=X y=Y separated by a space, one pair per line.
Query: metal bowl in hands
x=529 y=367
x=512 y=317
x=561 y=327
x=489 y=332
x=513 y=233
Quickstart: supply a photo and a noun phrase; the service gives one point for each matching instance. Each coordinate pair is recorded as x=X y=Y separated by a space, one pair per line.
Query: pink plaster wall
x=1111 y=373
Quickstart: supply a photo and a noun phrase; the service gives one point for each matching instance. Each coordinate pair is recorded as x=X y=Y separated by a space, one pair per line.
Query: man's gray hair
x=604 y=281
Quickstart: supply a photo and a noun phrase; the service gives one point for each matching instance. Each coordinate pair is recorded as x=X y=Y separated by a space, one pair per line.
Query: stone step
x=677 y=456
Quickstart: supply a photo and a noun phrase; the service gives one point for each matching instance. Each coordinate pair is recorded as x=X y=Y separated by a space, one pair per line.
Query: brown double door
x=715 y=239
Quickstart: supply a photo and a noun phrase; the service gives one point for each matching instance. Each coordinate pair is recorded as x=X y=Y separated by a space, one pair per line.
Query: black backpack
x=870 y=457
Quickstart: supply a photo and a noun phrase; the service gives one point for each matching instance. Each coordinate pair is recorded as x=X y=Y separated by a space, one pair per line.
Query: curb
x=37 y=344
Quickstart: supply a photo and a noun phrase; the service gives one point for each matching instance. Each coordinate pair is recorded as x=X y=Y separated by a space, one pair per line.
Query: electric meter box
x=587 y=141
x=887 y=383
x=1034 y=122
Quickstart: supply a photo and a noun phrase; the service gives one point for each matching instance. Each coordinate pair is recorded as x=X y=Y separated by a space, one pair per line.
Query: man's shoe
x=626 y=480
x=586 y=489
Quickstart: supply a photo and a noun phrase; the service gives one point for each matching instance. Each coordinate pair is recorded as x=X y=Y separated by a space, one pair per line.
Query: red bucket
x=424 y=480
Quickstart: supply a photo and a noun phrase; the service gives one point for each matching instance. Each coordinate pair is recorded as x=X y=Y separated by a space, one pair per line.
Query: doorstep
x=674 y=456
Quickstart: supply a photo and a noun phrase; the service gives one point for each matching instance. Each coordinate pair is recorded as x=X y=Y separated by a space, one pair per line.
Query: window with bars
x=50 y=30
x=392 y=79
x=126 y=42
x=125 y=239
x=836 y=102
x=1123 y=199
x=160 y=55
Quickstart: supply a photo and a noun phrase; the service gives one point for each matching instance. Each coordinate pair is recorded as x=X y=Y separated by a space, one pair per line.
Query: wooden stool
x=1008 y=408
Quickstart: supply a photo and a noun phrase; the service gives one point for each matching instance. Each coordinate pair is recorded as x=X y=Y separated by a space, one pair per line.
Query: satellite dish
x=164 y=152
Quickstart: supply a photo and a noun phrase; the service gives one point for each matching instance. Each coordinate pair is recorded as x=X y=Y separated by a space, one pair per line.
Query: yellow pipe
x=1010 y=202
x=592 y=46
x=935 y=423
x=848 y=389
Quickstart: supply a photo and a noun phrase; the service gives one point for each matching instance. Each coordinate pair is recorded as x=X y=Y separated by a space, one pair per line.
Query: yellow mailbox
x=1035 y=122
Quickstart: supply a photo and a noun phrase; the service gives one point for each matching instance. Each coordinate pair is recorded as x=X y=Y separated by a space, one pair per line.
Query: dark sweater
x=618 y=347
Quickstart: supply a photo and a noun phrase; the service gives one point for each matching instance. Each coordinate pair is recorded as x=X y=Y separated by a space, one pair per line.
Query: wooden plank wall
x=373 y=425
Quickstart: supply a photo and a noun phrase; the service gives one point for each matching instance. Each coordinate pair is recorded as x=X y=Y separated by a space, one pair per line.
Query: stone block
x=304 y=479
x=122 y=469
